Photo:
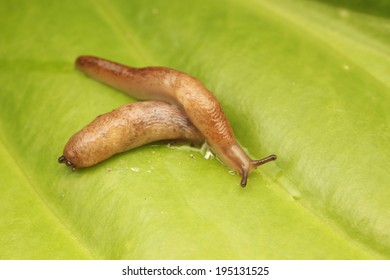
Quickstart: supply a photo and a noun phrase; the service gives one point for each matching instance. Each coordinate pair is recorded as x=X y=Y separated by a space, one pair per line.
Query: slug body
x=184 y=91
x=127 y=127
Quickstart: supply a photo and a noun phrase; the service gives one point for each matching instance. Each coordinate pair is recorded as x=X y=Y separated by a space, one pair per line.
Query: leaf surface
x=306 y=80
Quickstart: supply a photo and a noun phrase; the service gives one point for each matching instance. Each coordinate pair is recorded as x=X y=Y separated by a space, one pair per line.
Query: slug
x=127 y=127
x=188 y=94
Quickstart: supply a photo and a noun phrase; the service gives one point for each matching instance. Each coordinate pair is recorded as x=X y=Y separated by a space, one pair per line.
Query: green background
x=306 y=80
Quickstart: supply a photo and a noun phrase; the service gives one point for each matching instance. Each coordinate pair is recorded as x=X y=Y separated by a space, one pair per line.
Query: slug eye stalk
x=264 y=160
x=63 y=159
x=255 y=163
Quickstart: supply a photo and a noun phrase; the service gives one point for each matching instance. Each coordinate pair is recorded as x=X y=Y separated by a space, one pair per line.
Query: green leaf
x=306 y=80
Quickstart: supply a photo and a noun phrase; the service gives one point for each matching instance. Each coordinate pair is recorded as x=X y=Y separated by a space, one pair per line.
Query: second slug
x=188 y=94
x=127 y=127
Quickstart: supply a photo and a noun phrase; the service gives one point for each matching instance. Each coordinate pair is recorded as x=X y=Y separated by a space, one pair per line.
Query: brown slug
x=184 y=91
x=127 y=127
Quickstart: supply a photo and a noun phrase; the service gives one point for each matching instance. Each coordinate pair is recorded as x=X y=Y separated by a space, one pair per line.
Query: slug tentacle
x=63 y=159
x=264 y=160
x=183 y=91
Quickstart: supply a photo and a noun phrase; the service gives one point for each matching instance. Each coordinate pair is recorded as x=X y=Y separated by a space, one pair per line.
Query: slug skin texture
x=185 y=92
